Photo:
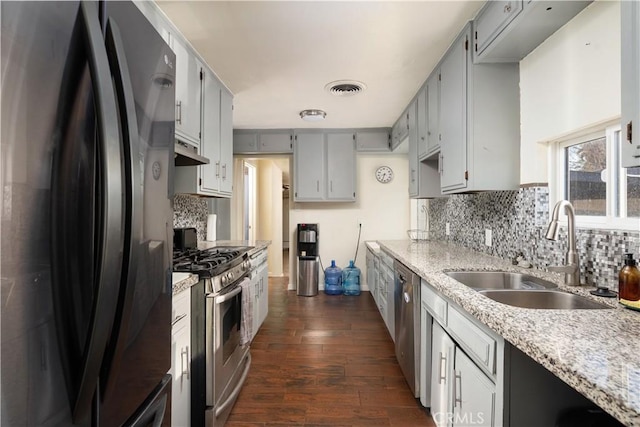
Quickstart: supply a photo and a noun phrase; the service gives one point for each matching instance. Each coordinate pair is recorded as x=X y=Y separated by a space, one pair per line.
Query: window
x=589 y=174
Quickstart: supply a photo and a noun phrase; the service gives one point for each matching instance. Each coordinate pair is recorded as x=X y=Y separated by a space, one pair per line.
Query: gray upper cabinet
x=245 y=142
x=255 y=141
x=453 y=115
x=276 y=142
x=492 y=20
x=479 y=122
x=324 y=166
x=214 y=179
x=433 y=113
x=422 y=119
x=188 y=92
x=341 y=166
x=374 y=140
x=630 y=139
x=507 y=31
x=400 y=130
x=309 y=163
x=424 y=179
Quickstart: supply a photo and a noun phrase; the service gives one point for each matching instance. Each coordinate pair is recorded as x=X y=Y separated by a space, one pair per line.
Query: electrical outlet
x=488 y=237
x=447 y=229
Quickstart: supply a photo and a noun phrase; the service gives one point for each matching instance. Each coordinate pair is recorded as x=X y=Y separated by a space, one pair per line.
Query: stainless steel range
x=219 y=364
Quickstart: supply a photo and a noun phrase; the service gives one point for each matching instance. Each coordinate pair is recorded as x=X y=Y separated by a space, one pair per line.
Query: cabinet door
x=433 y=112
x=373 y=140
x=474 y=395
x=277 y=142
x=391 y=315
x=422 y=120
x=263 y=275
x=492 y=20
x=226 y=142
x=210 y=144
x=453 y=116
x=442 y=354
x=341 y=166
x=181 y=360
x=308 y=165
x=413 y=150
x=188 y=92
x=630 y=138
x=245 y=142
x=425 y=356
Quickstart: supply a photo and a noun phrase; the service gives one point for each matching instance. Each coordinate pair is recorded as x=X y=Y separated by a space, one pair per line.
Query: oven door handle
x=222 y=298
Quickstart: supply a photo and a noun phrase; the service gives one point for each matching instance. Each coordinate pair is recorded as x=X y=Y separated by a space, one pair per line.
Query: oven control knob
x=246 y=265
x=223 y=279
x=229 y=276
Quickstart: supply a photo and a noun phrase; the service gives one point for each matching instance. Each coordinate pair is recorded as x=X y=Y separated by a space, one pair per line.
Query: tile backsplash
x=518 y=221
x=190 y=211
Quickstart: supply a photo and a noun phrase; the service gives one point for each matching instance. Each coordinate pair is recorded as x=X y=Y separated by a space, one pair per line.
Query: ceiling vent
x=345 y=87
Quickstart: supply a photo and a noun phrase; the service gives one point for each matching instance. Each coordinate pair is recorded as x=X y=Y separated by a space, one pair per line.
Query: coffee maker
x=308 y=260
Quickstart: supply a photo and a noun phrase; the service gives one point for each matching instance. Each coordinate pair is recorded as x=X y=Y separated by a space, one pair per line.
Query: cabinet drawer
x=180 y=308
x=436 y=305
x=478 y=344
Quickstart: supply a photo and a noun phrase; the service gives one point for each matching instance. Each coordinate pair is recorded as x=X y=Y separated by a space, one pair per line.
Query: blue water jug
x=333 y=280
x=351 y=280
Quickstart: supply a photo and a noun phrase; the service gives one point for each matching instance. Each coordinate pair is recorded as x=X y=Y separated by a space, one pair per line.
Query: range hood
x=185 y=155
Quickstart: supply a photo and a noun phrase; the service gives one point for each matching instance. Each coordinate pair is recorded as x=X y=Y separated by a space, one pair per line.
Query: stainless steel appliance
x=308 y=261
x=407 y=313
x=87 y=158
x=219 y=363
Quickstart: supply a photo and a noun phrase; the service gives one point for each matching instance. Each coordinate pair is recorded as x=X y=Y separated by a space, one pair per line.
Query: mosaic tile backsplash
x=518 y=220
x=190 y=211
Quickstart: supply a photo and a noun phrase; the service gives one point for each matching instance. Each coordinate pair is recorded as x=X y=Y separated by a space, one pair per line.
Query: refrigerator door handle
x=83 y=352
x=132 y=209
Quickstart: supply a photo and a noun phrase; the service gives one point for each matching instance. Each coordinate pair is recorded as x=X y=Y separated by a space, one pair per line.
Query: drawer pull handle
x=457 y=393
x=178 y=318
x=443 y=367
x=184 y=356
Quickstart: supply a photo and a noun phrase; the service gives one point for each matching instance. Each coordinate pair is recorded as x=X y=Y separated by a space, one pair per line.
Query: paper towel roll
x=211 y=227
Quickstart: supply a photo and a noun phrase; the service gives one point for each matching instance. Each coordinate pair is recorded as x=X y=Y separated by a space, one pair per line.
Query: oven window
x=231 y=320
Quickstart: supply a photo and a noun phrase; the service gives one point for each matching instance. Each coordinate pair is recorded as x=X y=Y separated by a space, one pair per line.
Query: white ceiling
x=277 y=56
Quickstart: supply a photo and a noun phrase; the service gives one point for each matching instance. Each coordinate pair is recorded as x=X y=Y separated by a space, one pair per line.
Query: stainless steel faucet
x=571 y=269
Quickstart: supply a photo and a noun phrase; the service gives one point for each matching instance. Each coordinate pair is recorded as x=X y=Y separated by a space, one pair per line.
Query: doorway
x=249 y=204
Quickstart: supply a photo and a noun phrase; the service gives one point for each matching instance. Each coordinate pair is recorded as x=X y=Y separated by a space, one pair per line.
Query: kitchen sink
x=542 y=299
x=481 y=280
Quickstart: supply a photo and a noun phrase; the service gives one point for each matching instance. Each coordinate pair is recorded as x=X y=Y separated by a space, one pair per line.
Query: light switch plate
x=447 y=229
x=488 y=237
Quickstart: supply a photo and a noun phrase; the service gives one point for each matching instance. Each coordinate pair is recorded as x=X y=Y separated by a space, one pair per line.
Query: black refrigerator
x=86 y=215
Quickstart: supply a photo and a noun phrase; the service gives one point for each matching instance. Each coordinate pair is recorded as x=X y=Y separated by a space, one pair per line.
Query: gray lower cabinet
x=324 y=165
x=630 y=140
x=442 y=354
x=268 y=141
x=479 y=122
x=474 y=395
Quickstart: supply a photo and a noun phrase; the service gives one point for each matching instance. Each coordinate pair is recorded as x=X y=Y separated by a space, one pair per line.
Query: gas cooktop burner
x=208 y=262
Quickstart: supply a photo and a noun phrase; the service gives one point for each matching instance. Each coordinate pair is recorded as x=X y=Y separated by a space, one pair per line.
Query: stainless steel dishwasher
x=407 y=323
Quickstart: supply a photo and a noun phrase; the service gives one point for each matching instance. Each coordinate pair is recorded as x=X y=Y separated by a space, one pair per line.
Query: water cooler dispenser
x=308 y=261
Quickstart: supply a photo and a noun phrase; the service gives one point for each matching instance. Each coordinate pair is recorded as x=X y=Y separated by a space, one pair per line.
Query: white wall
x=569 y=82
x=269 y=212
x=382 y=209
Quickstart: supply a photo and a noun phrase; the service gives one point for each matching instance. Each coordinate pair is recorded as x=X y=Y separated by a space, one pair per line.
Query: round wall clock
x=384 y=174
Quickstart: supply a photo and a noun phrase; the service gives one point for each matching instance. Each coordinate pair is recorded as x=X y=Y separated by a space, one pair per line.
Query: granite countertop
x=182 y=282
x=594 y=351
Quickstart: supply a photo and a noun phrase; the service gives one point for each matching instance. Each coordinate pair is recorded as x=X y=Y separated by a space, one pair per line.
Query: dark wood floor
x=324 y=360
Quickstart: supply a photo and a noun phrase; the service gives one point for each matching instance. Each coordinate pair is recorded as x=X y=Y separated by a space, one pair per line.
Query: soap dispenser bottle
x=629 y=284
